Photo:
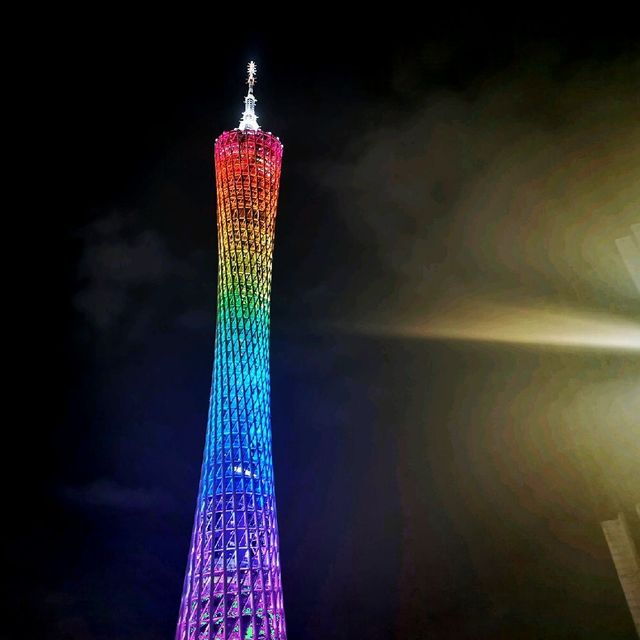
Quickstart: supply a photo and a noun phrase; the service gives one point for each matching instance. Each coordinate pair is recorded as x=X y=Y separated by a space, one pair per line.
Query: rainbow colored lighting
x=232 y=588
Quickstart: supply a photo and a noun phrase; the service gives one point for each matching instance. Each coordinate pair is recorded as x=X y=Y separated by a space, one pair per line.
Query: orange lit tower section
x=233 y=588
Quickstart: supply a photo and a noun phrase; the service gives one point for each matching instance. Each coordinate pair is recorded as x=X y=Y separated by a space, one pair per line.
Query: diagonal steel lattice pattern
x=233 y=588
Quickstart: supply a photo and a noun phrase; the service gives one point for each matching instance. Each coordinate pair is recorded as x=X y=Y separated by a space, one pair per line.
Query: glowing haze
x=497 y=322
x=502 y=209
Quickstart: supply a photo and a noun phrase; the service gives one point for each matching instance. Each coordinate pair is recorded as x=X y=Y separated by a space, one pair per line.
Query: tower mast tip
x=249 y=120
x=251 y=73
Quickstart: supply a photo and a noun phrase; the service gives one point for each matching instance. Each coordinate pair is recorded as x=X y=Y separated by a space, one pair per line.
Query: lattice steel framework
x=233 y=588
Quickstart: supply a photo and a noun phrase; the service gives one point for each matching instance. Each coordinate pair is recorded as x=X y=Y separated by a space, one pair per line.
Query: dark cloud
x=111 y=494
x=197 y=319
x=120 y=264
x=517 y=185
x=130 y=281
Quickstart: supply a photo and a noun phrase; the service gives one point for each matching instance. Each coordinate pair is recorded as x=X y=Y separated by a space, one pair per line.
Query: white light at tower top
x=249 y=120
x=251 y=73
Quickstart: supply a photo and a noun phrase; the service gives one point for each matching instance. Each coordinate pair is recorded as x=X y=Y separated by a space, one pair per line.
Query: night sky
x=455 y=333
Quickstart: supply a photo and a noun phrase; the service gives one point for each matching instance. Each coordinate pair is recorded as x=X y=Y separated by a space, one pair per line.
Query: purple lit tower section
x=232 y=588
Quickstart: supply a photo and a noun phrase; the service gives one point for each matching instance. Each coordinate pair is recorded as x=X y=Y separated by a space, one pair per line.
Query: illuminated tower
x=232 y=588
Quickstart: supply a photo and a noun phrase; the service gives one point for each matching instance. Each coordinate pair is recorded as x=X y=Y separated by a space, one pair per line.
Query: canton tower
x=232 y=587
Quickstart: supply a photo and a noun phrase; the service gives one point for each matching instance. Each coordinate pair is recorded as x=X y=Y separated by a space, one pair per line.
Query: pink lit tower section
x=232 y=587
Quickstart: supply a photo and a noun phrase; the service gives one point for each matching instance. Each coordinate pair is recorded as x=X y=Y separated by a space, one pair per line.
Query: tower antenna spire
x=249 y=118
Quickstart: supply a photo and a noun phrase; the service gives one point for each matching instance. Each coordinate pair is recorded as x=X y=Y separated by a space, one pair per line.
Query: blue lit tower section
x=232 y=588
